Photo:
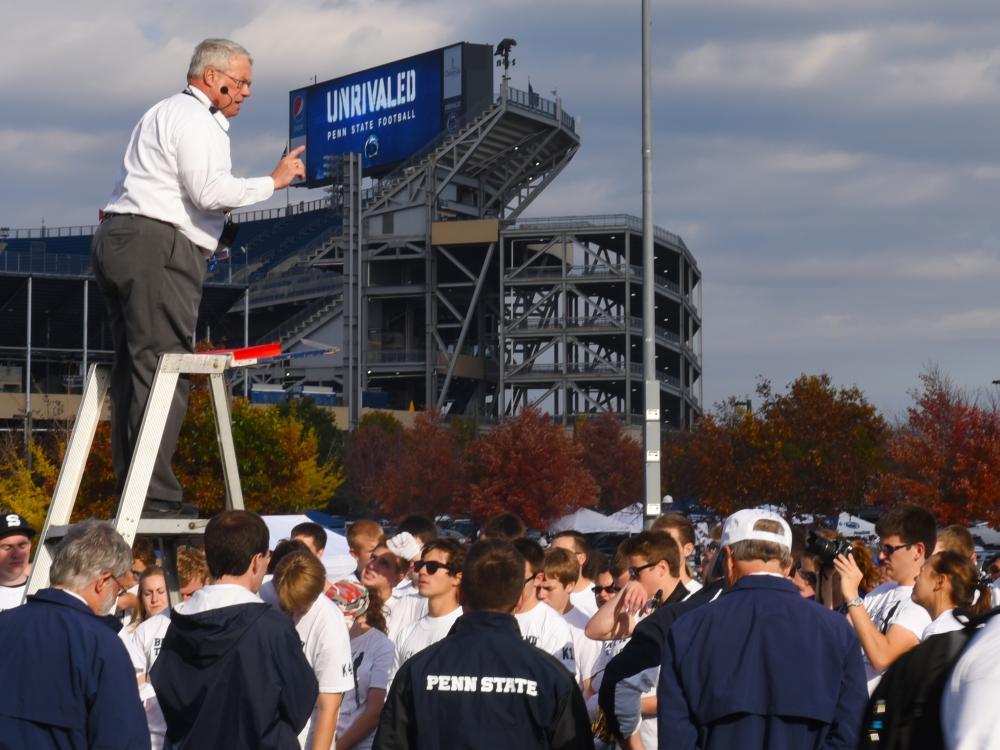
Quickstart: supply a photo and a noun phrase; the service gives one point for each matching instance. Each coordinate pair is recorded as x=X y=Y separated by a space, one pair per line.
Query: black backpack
x=904 y=712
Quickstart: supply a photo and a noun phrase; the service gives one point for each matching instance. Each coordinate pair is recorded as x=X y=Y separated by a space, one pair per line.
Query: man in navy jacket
x=231 y=671
x=483 y=687
x=68 y=681
x=760 y=667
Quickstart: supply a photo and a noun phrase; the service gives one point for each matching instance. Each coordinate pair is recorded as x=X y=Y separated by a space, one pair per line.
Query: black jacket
x=233 y=677
x=644 y=649
x=480 y=688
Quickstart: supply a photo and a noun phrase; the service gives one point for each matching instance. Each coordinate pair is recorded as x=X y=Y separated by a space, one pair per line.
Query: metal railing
x=624 y=221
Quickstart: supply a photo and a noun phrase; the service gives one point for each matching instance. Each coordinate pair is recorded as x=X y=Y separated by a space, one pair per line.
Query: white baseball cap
x=739 y=527
x=404 y=545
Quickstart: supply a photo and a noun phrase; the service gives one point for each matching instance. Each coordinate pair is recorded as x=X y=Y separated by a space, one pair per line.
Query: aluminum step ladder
x=128 y=520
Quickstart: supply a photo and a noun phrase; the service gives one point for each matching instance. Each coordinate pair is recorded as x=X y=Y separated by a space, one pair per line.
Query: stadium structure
x=418 y=282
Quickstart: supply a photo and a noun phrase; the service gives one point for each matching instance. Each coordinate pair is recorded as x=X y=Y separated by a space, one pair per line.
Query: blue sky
x=833 y=165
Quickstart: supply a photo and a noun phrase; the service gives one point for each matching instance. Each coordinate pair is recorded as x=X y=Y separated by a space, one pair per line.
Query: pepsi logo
x=298 y=106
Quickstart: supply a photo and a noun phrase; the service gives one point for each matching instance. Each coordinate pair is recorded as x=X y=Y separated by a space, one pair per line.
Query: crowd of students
x=789 y=651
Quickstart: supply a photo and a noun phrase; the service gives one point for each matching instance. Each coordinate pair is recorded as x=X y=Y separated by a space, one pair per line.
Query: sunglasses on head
x=432 y=566
x=612 y=589
x=808 y=576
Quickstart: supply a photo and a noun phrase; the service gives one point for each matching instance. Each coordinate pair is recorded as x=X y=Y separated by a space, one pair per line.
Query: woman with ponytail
x=949 y=582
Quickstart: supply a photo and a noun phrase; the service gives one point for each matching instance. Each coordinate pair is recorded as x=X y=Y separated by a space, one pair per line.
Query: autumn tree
x=614 y=460
x=277 y=458
x=530 y=466
x=372 y=447
x=427 y=472
x=813 y=449
x=946 y=455
x=26 y=489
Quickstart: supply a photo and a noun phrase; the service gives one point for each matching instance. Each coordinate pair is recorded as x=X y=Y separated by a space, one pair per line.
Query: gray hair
x=89 y=549
x=214 y=53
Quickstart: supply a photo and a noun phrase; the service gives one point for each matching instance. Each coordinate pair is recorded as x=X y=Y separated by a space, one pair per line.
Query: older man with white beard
x=68 y=681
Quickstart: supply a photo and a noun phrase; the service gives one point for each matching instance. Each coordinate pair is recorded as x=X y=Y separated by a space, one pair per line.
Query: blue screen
x=386 y=113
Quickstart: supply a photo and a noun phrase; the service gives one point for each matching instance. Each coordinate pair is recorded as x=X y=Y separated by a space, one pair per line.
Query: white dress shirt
x=177 y=170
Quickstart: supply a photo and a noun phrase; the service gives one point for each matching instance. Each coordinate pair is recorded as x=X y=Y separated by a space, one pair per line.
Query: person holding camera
x=888 y=622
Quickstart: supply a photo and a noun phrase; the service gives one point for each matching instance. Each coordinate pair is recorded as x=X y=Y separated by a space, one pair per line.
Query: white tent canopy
x=588 y=521
x=631 y=516
x=336 y=557
x=854 y=526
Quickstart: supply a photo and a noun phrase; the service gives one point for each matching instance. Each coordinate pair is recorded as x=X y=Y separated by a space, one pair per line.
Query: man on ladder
x=166 y=217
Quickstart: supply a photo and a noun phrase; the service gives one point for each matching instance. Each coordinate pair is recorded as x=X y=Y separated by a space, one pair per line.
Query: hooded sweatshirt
x=231 y=673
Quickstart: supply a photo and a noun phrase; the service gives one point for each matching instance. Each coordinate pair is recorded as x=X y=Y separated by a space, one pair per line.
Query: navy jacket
x=484 y=688
x=760 y=667
x=67 y=679
x=233 y=677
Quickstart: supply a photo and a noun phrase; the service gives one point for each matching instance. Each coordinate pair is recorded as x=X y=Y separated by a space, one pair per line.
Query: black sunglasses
x=607 y=589
x=890 y=549
x=808 y=576
x=633 y=573
x=433 y=566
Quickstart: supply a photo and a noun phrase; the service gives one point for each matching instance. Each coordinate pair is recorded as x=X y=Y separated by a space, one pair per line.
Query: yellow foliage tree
x=27 y=490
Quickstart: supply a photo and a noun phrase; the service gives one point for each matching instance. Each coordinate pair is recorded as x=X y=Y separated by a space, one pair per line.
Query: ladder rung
x=149 y=527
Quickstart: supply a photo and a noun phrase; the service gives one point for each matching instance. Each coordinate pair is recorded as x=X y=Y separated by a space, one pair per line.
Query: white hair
x=214 y=53
x=89 y=549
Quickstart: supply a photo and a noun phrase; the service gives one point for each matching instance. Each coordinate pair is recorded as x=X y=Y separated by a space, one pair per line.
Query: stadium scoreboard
x=389 y=112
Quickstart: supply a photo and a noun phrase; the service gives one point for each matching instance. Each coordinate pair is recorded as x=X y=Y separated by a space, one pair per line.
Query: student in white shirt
x=151 y=600
x=385 y=572
x=969 y=716
x=298 y=585
x=439 y=575
x=540 y=625
x=143 y=643
x=887 y=621
x=576 y=543
x=15 y=553
x=947 y=582
x=372 y=655
x=561 y=573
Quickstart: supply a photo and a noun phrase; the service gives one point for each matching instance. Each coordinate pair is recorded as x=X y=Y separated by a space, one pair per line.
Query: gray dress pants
x=151 y=276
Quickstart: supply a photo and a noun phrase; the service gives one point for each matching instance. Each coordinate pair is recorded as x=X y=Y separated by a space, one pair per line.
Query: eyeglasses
x=241 y=83
x=633 y=573
x=136 y=573
x=890 y=549
x=808 y=576
x=433 y=566
x=123 y=587
x=607 y=589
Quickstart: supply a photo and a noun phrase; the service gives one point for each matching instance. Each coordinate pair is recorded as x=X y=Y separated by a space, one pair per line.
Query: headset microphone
x=224 y=90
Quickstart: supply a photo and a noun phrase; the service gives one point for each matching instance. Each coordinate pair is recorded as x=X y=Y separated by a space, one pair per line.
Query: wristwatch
x=855 y=602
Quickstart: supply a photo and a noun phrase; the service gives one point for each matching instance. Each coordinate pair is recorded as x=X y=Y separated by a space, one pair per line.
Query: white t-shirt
x=584 y=600
x=891 y=604
x=372 y=654
x=405 y=606
x=143 y=646
x=420 y=634
x=11 y=596
x=586 y=650
x=327 y=646
x=943 y=623
x=995 y=588
x=969 y=715
x=545 y=628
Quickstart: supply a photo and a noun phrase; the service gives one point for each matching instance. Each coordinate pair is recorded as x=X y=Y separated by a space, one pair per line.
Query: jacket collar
x=771 y=583
x=498 y=621
x=58 y=596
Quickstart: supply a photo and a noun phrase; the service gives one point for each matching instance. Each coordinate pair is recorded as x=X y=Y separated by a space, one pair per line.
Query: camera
x=827 y=549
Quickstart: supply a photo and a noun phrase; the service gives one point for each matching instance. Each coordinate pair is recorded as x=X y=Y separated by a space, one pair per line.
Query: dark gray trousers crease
x=151 y=276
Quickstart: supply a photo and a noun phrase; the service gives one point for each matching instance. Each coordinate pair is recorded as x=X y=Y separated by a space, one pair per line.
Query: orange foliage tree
x=529 y=466
x=946 y=455
x=613 y=459
x=426 y=475
x=371 y=449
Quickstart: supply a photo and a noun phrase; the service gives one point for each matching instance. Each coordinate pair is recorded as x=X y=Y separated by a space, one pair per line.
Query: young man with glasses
x=15 y=552
x=888 y=622
x=164 y=220
x=540 y=625
x=439 y=576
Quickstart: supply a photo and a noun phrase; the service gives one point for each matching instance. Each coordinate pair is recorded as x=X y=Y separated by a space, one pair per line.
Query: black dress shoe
x=168 y=509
